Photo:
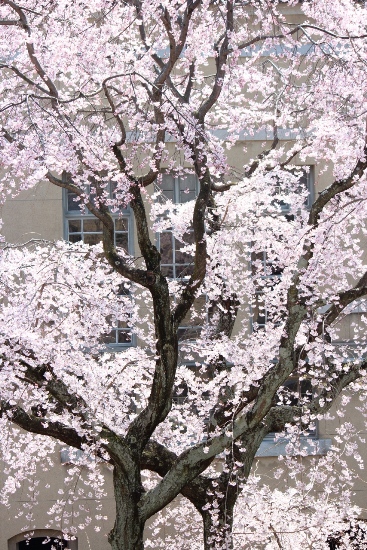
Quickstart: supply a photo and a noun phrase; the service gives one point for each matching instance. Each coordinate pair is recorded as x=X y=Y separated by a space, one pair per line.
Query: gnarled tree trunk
x=127 y=533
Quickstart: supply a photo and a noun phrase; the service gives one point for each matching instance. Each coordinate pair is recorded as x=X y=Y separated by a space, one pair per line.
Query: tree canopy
x=205 y=119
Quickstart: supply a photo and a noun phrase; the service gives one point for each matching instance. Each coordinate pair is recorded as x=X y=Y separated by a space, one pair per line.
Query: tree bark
x=127 y=533
x=218 y=528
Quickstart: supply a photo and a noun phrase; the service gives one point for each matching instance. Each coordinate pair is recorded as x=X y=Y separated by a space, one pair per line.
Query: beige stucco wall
x=88 y=539
x=33 y=214
x=38 y=214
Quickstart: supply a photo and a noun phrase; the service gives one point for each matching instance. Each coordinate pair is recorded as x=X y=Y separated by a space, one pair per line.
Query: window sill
x=277 y=448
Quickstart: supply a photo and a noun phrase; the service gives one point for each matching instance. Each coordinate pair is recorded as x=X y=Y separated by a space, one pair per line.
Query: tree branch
x=31 y=51
x=23 y=77
x=221 y=61
x=116 y=261
x=41 y=426
x=263 y=37
x=200 y=260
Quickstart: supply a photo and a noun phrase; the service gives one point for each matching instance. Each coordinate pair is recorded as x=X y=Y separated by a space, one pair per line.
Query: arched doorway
x=42 y=539
x=40 y=543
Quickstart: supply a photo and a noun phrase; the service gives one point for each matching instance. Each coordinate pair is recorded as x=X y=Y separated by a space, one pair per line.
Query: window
x=176 y=264
x=267 y=274
x=81 y=225
x=179 y=189
x=305 y=182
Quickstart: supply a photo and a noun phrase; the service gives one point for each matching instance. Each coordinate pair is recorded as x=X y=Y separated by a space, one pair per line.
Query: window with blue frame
x=81 y=225
x=175 y=263
x=305 y=175
x=295 y=391
x=268 y=273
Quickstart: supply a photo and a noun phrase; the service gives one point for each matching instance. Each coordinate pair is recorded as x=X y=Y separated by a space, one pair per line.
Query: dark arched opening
x=42 y=543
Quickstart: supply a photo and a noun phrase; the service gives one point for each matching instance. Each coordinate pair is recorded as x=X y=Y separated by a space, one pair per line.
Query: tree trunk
x=218 y=525
x=127 y=533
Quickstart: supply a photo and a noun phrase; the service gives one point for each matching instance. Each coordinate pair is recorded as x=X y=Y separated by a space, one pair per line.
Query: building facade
x=50 y=213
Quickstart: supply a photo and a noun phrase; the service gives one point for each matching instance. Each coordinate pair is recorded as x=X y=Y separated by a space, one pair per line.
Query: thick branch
x=159 y=459
x=337 y=187
x=200 y=260
x=345 y=298
x=193 y=461
x=55 y=387
x=41 y=426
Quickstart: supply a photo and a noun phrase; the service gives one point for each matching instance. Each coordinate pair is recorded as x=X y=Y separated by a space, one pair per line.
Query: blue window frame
x=306 y=178
x=82 y=226
x=175 y=263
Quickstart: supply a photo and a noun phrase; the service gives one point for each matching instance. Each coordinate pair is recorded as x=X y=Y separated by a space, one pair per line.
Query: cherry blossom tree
x=105 y=99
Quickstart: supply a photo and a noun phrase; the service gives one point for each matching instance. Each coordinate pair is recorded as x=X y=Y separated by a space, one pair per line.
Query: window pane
x=92 y=239
x=75 y=226
x=168 y=185
x=168 y=182
x=120 y=225
x=72 y=204
x=124 y=336
x=121 y=240
x=92 y=225
x=182 y=257
x=184 y=270
x=166 y=247
x=109 y=338
x=75 y=238
x=187 y=188
x=167 y=271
